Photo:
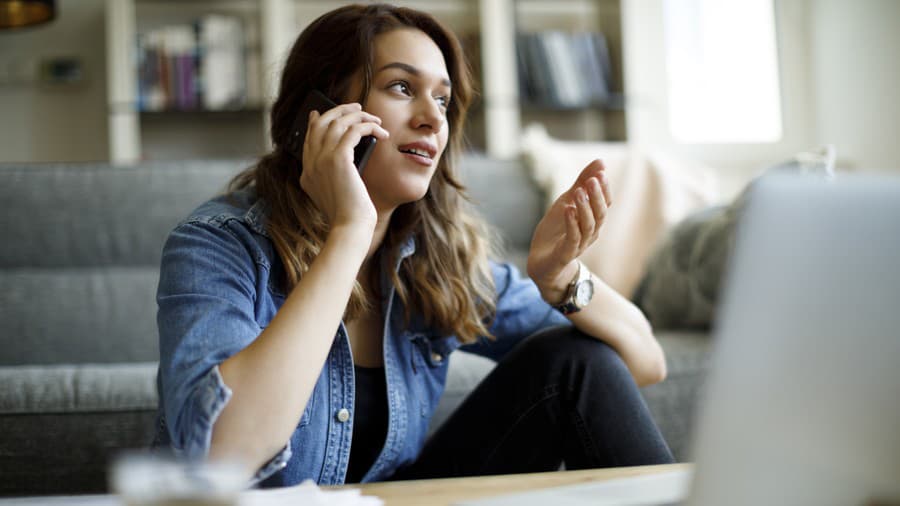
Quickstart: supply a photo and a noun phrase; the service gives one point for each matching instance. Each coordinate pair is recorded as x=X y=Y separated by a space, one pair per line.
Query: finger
x=569 y=247
x=339 y=126
x=585 y=217
x=340 y=110
x=321 y=121
x=603 y=178
x=593 y=169
x=357 y=117
x=599 y=207
x=355 y=133
x=309 y=141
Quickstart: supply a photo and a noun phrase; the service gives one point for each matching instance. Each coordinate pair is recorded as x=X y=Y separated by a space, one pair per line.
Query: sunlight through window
x=723 y=71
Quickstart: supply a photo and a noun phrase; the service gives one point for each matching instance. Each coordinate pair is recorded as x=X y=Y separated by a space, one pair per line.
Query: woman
x=305 y=318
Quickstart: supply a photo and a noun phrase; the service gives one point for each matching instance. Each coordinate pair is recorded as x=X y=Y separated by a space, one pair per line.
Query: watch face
x=583 y=293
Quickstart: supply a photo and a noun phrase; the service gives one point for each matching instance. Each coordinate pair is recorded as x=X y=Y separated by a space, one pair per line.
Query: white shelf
x=136 y=135
x=272 y=26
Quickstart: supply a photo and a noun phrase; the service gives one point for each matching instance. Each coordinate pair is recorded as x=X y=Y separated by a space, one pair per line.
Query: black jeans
x=559 y=396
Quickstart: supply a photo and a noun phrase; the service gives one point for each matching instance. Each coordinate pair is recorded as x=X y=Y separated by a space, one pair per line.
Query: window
x=722 y=71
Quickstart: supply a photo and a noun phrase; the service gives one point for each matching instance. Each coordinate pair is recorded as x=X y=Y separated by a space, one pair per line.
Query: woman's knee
x=565 y=346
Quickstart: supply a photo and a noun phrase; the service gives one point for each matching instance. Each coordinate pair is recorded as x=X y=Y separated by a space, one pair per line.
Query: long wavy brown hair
x=447 y=280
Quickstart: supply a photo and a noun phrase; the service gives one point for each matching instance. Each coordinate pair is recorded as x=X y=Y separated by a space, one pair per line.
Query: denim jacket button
x=436 y=357
x=343 y=415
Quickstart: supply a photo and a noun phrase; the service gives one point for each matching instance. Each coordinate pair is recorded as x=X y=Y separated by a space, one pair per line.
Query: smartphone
x=317 y=101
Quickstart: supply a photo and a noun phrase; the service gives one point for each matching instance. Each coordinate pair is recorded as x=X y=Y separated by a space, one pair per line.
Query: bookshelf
x=576 y=22
x=190 y=79
x=142 y=129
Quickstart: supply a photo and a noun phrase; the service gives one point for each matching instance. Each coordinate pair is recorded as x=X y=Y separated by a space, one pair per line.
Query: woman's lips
x=421 y=160
x=421 y=152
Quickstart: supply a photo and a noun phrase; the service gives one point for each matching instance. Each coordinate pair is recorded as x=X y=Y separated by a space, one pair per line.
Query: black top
x=370 y=421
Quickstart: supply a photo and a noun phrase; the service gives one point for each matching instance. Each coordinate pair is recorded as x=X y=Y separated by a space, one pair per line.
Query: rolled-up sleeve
x=207 y=291
x=520 y=312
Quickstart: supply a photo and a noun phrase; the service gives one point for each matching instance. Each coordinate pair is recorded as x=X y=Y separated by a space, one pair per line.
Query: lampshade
x=19 y=13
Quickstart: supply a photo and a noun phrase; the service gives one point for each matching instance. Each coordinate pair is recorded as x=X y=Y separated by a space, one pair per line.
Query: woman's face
x=410 y=93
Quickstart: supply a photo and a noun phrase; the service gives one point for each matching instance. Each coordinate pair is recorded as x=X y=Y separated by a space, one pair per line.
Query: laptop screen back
x=803 y=400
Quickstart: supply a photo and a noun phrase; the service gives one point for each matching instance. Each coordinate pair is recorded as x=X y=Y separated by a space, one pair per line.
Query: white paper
x=305 y=494
x=63 y=500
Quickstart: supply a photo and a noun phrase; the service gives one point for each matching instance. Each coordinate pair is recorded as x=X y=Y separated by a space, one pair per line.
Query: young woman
x=306 y=317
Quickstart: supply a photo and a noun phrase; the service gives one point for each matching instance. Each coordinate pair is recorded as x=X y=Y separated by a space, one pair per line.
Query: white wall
x=39 y=123
x=840 y=73
x=856 y=80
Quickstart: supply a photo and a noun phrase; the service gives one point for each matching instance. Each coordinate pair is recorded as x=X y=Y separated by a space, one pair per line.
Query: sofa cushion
x=78 y=315
x=681 y=286
x=674 y=402
x=465 y=372
x=63 y=424
x=78 y=388
x=82 y=215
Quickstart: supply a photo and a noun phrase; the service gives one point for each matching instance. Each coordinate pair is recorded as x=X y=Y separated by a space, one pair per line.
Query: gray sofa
x=78 y=340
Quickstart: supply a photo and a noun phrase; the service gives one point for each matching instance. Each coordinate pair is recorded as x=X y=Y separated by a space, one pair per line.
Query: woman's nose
x=428 y=114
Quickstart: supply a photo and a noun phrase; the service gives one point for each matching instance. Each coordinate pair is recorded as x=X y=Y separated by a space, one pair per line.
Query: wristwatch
x=579 y=293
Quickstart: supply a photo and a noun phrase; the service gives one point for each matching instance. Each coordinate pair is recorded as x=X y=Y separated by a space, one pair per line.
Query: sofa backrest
x=80 y=259
x=506 y=196
x=82 y=242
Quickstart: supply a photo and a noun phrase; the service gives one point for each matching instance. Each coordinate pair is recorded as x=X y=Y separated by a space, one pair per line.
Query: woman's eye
x=401 y=87
x=443 y=101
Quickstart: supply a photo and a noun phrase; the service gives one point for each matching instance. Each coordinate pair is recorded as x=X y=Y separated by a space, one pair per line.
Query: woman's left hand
x=571 y=225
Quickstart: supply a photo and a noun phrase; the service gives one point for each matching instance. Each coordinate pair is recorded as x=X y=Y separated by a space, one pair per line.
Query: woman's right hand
x=329 y=176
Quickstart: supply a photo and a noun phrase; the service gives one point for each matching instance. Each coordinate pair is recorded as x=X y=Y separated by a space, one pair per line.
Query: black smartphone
x=317 y=101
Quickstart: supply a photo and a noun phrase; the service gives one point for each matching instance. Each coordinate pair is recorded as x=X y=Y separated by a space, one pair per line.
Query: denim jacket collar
x=256 y=218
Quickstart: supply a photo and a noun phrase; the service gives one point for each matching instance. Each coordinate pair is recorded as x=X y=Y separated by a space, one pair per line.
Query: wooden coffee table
x=442 y=492
x=445 y=492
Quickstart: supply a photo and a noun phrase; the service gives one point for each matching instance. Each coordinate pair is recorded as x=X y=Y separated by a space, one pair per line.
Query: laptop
x=802 y=402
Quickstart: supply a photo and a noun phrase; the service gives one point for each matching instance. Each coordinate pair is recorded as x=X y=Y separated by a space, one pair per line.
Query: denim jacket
x=219 y=289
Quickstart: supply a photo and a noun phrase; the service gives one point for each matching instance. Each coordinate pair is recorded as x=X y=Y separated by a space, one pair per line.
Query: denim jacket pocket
x=430 y=363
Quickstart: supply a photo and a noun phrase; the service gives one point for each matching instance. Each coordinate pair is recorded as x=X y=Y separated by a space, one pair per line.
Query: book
x=191 y=66
x=562 y=70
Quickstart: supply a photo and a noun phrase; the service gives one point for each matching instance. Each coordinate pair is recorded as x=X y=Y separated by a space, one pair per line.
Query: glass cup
x=162 y=479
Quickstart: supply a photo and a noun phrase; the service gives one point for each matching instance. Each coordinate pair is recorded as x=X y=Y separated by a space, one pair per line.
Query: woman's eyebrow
x=410 y=70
